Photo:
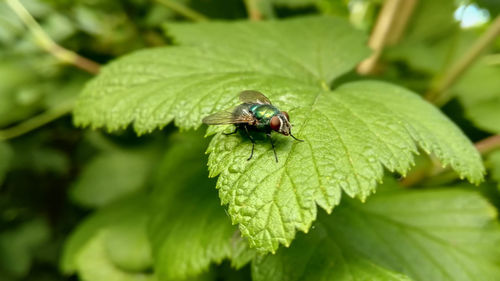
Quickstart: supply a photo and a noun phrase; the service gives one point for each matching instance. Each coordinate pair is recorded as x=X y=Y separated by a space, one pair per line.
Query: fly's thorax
x=264 y=112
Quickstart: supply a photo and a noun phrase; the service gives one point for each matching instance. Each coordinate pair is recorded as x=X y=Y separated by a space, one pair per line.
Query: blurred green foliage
x=77 y=204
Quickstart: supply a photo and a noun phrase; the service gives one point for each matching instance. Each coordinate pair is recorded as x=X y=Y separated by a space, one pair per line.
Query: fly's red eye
x=286 y=115
x=275 y=123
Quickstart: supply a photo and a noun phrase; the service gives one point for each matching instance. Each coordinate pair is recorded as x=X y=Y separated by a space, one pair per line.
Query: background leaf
x=494 y=163
x=19 y=245
x=112 y=175
x=316 y=256
x=189 y=230
x=125 y=218
x=443 y=234
x=479 y=92
x=94 y=264
x=5 y=156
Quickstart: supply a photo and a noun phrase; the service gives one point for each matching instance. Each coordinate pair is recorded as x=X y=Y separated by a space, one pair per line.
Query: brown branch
x=438 y=93
x=46 y=43
x=489 y=144
x=484 y=147
x=183 y=10
x=390 y=25
x=253 y=11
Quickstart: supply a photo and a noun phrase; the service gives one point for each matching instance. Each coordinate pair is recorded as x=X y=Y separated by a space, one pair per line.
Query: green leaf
x=443 y=234
x=373 y=125
x=94 y=265
x=317 y=256
x=351 y=133
x=494 y=163
x=189 y=230
x=108 y=221
x=112 y=175
x=427 y=48
x=479 y=92
x=5 y=157
x=493 y=6
x=18 y=246
x=127 y=245
x=294 y=3
x=427 y=16
x=150 y=88
x=311 y=50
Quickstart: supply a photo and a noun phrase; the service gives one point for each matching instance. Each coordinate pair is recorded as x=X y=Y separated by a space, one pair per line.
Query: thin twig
x=48 y=44
x=253 y=10
x=389 y=27
x=183 y=10
x=489 y=144
x=405 y=11
x=37 y=121
x=439 y=94
x=484 y=147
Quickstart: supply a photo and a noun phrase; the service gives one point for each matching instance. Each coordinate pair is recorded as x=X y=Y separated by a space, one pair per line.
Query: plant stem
x=439 y=94
x=183 y=10
x=404 y=13
x=388 y=29
x=48 y=44
x=37 y=121
x=489 y=144
x=253 y=10
x=484 y=147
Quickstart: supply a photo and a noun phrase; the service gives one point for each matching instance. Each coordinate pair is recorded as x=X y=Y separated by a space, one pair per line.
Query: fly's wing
x=227 y=117
x=253 y=97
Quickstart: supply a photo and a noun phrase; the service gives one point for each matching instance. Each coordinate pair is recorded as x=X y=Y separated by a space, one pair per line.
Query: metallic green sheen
x=263 y=113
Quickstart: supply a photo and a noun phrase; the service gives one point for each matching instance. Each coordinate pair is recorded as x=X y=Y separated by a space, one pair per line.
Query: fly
x=256 y=113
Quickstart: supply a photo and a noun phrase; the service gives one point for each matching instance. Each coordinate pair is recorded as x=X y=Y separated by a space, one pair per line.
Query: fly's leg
x=234 y=132
x=272 y=144
x=253 y=142
x=295 y=138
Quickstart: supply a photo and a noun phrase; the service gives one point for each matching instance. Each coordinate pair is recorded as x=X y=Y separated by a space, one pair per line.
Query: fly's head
x=281 y=123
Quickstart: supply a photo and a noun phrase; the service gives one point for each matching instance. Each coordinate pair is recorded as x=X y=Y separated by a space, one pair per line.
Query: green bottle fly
x=256 y=113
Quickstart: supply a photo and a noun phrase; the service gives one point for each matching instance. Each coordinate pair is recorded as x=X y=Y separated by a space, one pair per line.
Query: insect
x=256 y=113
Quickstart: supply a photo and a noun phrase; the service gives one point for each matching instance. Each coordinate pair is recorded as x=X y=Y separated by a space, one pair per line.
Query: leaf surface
x=104 y=223
x=351 y=133
x=479 y=93
x=316 y=256
x=19 y=245
x=494 y=165
x=94 y=264
x=188 y=229
x=374 y=125
x=112 y=175
x=442 y=234
x=5 y=157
